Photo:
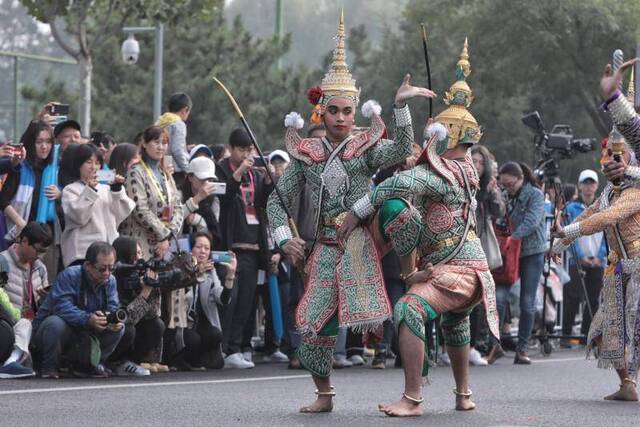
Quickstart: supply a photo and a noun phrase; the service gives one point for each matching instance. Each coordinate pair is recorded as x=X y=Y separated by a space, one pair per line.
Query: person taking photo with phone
x=201 y=194
x=243 y=222
x=203 y=336
x=92 y=211
x=23 y=193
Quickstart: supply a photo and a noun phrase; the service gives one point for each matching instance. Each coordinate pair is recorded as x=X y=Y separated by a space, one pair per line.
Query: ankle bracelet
x=326 y=393
x=463 y=394
x=628 y=380
x=413 y=399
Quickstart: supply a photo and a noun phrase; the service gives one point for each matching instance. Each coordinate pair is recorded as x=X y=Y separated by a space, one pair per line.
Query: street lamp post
x=158 y=31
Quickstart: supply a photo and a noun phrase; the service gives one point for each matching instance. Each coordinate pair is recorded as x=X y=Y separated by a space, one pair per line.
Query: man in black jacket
x=244 y=230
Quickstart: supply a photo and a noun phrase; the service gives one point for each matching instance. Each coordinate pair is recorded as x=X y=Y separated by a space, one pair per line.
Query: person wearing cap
x=591 y=255
x=279 y=159
x=200 y=150
x=67 y=133
x=201 y=207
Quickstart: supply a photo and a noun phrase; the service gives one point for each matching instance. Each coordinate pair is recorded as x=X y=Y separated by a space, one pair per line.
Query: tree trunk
x=86 y=70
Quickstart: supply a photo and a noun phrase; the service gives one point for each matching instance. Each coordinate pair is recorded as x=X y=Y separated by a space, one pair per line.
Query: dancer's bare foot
x=464 y=403
x=463 y=400
x=628 y=392
x=402 y=408
x=322 y=404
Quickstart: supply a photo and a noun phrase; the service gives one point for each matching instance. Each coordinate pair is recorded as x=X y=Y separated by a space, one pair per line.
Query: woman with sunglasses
x=92 y=211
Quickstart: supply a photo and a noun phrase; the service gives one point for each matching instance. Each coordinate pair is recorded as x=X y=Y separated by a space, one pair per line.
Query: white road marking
x=198 y=382
x=156 y=384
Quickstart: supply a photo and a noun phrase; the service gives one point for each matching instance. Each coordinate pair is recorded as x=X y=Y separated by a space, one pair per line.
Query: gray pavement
x=561 y=390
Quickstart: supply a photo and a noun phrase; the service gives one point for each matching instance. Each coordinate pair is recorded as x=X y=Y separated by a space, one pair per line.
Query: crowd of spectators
x=136 y=258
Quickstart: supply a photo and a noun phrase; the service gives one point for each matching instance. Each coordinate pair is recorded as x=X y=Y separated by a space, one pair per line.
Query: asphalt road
x=561 y=390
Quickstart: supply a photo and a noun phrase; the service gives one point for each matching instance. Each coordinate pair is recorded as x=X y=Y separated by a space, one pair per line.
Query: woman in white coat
x=92 y=211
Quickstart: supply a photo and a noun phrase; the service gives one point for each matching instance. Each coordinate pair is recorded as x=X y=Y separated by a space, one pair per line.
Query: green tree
x=88 y=24
x=207 y=46
x=543 y=55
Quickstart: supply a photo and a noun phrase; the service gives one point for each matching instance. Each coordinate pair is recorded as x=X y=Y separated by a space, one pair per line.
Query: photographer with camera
x=138 y=352
x=201 y=194
x=203 y=336
x=79 y=314
x=243 y=222
x=525 y=211
x=92 y=211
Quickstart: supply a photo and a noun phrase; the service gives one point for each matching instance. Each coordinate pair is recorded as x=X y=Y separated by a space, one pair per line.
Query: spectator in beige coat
x=92 y=211
x=158 y=211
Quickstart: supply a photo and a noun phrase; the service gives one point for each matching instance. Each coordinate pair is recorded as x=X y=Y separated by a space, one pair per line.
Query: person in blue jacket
x=79 y=300
x=591 y=253
x=526 y=214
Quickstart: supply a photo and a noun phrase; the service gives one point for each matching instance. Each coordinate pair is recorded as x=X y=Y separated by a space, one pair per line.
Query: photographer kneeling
x=142 y=339
x=79 y=312
x=203 y=336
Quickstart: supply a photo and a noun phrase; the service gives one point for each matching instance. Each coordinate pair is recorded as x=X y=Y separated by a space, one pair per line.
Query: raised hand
x=406 y=92
x=610 y=81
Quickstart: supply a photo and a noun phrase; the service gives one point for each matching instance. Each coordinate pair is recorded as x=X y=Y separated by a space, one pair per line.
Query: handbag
x=510 y=249
x=490 y=245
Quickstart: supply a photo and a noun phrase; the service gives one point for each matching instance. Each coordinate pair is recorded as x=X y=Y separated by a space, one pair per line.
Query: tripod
x=545 y=337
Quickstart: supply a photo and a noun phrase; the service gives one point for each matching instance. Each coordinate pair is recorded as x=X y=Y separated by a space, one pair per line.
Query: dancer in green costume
x=427 y=214
x=345 y=285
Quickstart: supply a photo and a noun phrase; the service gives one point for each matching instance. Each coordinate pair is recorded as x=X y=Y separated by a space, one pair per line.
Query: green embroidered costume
x=429 y=209
x=344 y=287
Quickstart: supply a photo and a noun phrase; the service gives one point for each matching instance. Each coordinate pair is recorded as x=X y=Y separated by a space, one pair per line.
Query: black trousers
x=7 y=339
x=238 y=312
x=271 y=342
x=573 y=295
x=138 y=340
x=202 y=345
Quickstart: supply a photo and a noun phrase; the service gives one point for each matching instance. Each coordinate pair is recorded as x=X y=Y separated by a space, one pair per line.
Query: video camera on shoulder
x=131 y=276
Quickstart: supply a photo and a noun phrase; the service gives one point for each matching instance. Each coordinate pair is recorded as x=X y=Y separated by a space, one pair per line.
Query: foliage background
x=540 y=55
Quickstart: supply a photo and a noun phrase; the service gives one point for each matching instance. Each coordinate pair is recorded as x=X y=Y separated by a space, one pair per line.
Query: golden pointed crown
x=462 y=127
x=338 y=80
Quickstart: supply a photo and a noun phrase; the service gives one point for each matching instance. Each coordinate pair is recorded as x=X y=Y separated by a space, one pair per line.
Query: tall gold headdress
x=462 y=127
x=338 y=80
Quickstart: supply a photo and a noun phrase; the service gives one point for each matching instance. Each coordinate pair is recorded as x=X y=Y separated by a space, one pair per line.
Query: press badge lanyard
x=157 y=185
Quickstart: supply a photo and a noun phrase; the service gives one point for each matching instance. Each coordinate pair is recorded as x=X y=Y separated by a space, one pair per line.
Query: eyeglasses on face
x=103 y=268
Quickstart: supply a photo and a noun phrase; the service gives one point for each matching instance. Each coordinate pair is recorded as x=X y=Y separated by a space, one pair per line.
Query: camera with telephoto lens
x=129 y=275
x=118 y=316
x=551 y=147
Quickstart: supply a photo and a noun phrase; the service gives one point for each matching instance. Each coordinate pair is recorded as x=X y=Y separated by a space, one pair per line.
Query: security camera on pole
x=131 y=51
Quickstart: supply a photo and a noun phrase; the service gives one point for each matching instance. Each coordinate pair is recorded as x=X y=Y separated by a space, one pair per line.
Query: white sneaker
x=236 y=361
x=276 y=357
x=248 y=356
x=443 y=359
x=340 y=361
x=357 y=360
x=130 y=369
x=476 y=359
